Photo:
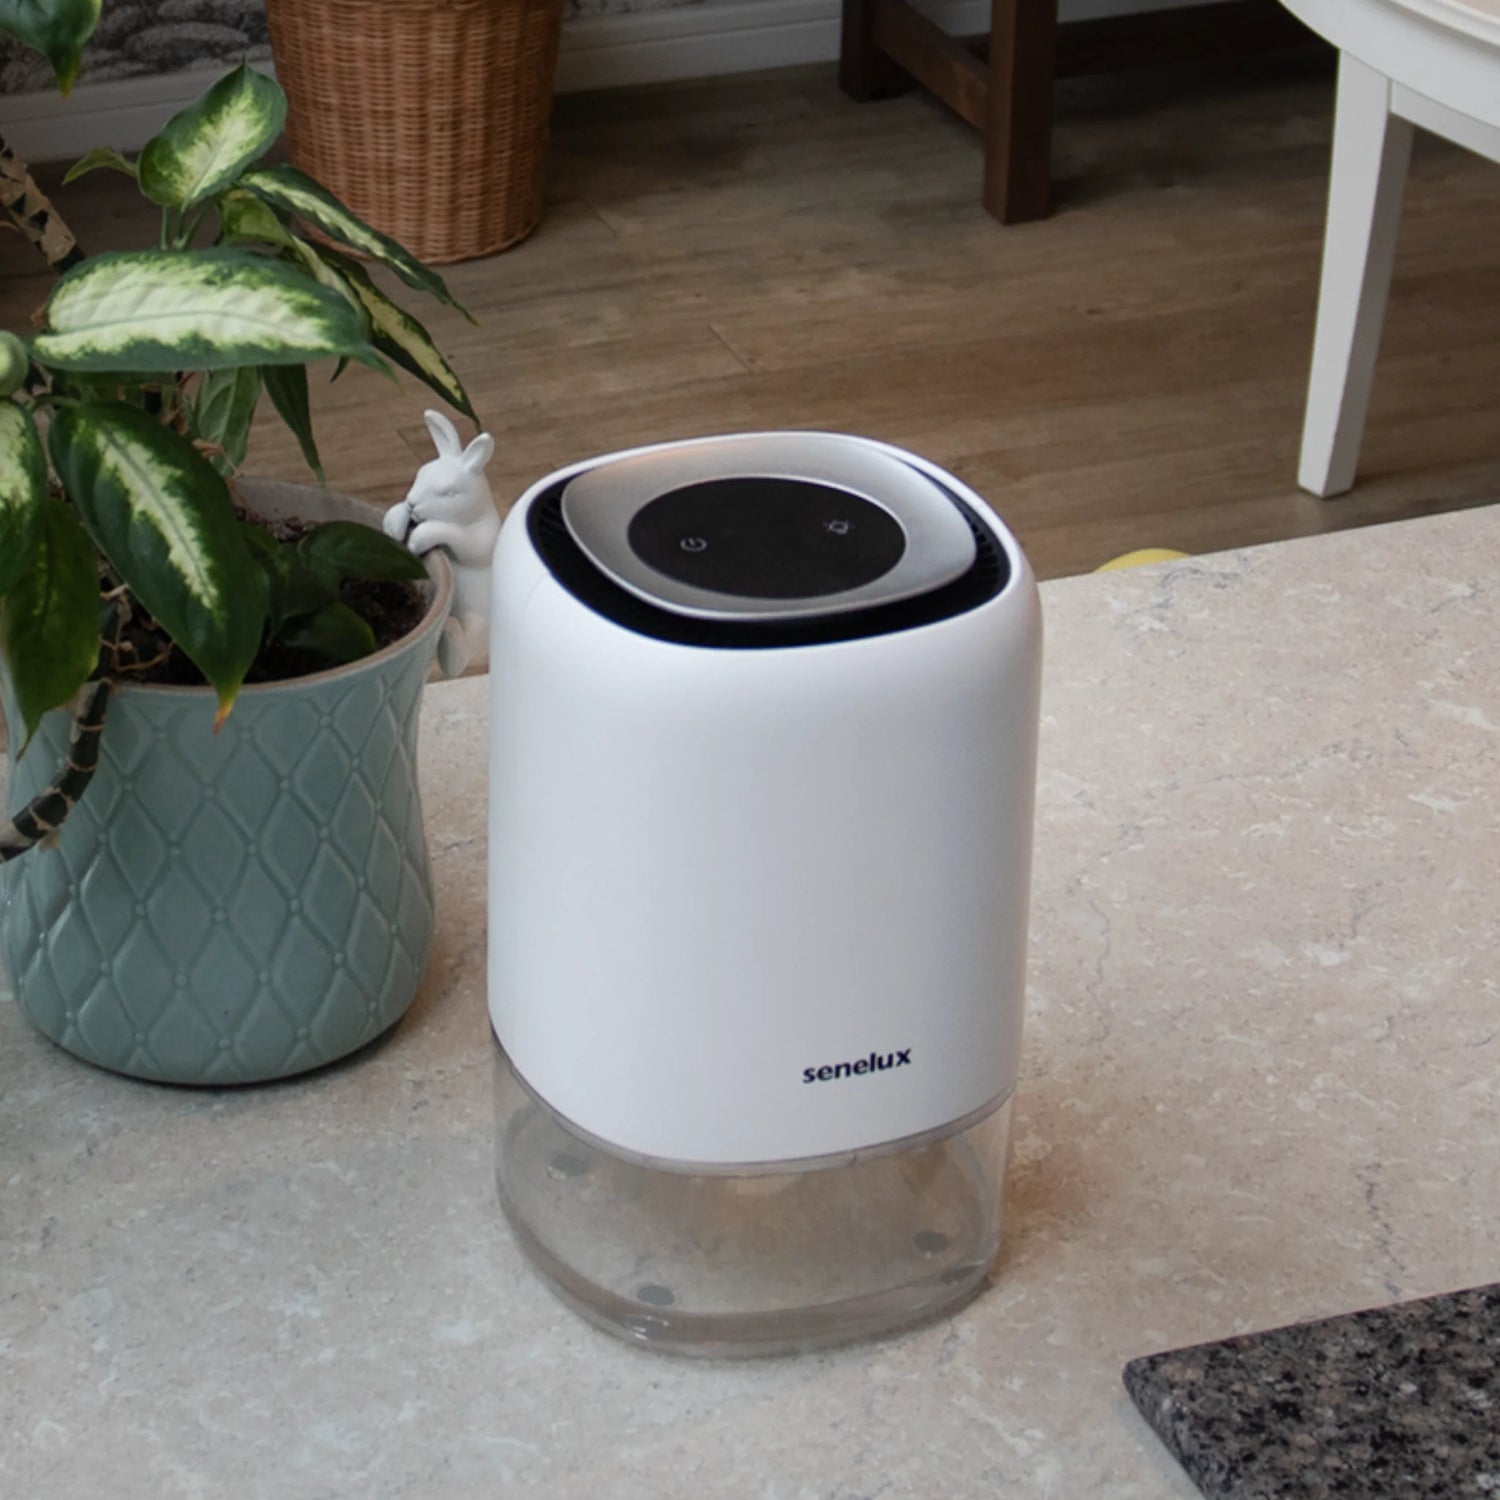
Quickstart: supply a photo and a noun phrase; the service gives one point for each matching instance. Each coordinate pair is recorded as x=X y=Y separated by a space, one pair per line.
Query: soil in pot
x=391 y=610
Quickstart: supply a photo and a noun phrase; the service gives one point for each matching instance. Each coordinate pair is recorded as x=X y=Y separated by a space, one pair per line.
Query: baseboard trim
x=711 y=40
x=598 y=52
x=124 y=113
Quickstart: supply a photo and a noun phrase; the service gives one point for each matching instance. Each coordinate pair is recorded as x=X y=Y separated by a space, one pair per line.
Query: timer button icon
x=838 y=527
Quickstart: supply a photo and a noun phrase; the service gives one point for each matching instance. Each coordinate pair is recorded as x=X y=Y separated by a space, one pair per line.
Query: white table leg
x=1371 y=151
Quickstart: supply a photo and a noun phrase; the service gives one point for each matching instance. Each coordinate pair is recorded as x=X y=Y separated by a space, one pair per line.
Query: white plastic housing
x=716 y=873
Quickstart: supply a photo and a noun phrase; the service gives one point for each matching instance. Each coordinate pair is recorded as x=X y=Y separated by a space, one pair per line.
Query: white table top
x=1261 y=1083
x=1346 y=23
x=1480 y=17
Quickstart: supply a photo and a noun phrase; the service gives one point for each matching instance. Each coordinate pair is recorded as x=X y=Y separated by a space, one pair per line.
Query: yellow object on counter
x=1140 y=558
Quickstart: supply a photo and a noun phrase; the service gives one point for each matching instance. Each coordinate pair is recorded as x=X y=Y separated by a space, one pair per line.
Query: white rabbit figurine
x=449 y=505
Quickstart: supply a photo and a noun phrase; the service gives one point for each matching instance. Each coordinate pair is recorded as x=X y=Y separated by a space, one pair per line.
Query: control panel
x=775 y=526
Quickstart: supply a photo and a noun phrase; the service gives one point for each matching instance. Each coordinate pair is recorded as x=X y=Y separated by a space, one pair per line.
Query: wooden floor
x=759 y=252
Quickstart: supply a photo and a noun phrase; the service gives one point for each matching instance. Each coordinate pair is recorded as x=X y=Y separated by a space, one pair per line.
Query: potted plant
x=214 y=869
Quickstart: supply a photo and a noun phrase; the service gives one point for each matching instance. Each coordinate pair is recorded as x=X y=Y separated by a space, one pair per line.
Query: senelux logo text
x=876 y=1062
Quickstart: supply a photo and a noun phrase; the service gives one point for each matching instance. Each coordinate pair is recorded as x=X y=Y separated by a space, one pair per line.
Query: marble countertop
x=1261 y=1084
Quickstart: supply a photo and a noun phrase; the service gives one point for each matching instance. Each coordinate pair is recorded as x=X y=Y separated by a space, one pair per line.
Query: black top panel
x=768 y=526
x=767 y=537
x=591 y=586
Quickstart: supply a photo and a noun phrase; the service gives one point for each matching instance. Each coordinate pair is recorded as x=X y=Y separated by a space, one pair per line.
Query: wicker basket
x=429 y=118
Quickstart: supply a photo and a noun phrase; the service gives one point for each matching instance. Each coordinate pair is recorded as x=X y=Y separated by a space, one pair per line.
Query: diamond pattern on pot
x=232 y=907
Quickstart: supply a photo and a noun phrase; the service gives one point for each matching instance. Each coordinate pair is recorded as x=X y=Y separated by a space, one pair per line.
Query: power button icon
x=693 y=544
x=837 y=528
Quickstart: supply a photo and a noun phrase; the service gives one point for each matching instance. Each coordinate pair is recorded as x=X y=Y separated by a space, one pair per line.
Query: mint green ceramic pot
x=235 y=907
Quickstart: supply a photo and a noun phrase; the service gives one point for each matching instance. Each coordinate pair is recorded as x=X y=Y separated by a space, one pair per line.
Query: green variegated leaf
x=23 y=492
x=57 y=29
x=157 y=310
x=243 y=217
x=223 y=412
x=49 y=623
x=163 y=517
x=319 y=265
x=350 y=550
x=295 y=192
x=398 y=335
x=334 y=632
x=286 y=385
x=100 y=156
x=14 y=363
x=203 y=149
x=297 y=588
x=258 y=541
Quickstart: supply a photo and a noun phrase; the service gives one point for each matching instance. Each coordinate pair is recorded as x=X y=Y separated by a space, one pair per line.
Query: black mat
x=1400 y=1402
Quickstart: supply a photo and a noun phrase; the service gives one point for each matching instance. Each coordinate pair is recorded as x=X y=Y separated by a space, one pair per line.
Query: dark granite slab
x=1399 y=1401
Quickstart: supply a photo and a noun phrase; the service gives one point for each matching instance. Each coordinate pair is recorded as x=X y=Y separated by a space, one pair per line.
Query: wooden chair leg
x=1018 y=124
x=865 y=72
x=1371 y=151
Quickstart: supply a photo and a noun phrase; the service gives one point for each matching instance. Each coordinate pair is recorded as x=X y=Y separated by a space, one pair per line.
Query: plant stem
x=41 y=818
x=32 y=212
x=166 y=229
x=190 y=233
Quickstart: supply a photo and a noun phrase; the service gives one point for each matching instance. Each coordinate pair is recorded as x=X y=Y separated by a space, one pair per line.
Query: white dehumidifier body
x=763 y=729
